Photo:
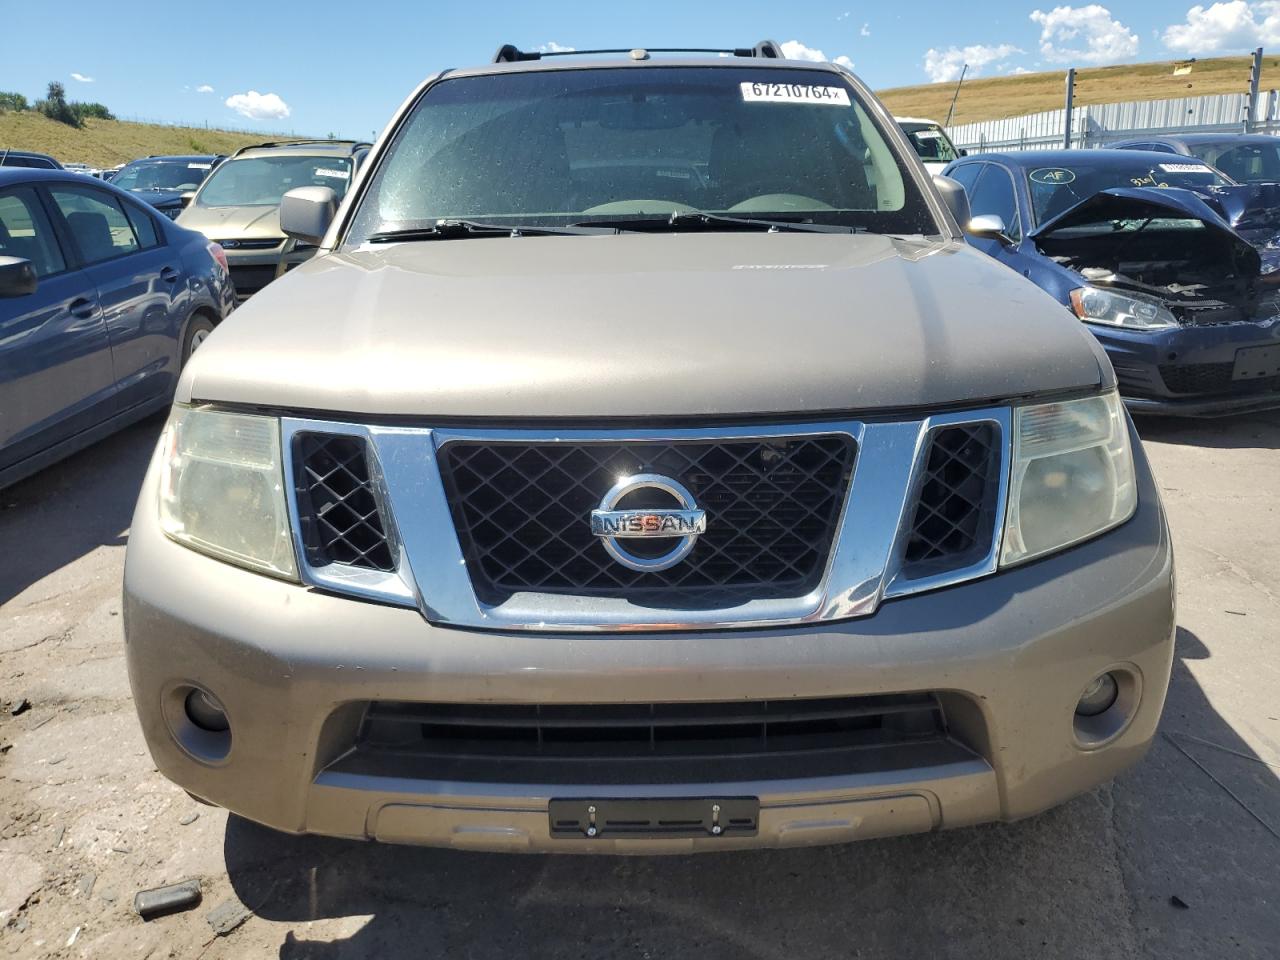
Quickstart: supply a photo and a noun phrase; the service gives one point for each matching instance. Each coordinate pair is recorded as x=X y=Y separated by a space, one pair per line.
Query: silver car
x=646 y=465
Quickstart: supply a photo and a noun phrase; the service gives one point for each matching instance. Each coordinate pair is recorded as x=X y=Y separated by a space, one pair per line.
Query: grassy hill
x=104 y=143
x=992 y=98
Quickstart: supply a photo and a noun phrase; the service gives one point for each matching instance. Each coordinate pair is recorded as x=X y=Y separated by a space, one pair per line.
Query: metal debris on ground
x=161 y=901
x=19 y=707
x=228 y=915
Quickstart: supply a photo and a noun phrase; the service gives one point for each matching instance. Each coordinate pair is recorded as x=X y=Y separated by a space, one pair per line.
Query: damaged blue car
x=1171 y=264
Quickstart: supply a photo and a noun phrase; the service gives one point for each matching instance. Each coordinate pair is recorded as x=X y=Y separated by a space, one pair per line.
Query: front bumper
x=1189 y=371
x=1007 y=656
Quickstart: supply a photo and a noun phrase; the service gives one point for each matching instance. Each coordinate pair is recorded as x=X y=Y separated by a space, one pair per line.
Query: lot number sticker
x=794 y=93
x=1184 y=168
x=332 y=174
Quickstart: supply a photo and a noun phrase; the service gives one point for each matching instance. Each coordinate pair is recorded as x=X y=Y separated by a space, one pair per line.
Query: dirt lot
x=1179 y=858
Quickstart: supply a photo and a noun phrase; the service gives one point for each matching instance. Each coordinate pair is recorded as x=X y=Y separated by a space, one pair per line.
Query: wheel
x=197 y=330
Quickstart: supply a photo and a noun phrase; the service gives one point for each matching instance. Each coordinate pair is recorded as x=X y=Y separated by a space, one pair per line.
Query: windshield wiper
x=702 y=220
x=463 y=229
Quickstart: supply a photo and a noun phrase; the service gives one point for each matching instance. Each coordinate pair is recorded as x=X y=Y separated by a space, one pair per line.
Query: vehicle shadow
x=1256 y=430
x=1093 y=878
x=54 y=517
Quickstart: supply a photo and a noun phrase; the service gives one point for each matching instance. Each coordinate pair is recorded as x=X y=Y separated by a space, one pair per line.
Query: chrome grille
x=522 y=512
x=341 y=519
x=954 y=512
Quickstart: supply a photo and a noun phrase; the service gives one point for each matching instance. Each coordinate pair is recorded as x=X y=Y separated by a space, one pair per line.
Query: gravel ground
x=1178 y=858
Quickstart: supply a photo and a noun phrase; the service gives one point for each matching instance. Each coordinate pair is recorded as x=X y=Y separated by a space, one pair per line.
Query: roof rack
x=510 y=53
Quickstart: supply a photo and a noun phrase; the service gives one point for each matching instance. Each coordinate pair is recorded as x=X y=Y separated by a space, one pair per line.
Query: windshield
x=262 y=181
x=1056 y=189
x=163 y=175
x=932 y=145
x=595 y=145
x=1242 y=162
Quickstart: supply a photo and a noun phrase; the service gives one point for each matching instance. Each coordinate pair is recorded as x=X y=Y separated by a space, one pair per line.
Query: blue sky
x=319 y=66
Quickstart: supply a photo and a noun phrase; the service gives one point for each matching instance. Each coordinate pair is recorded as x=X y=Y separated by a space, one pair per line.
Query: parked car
x=1136 y=246
x=237 y=206
x=931 y=143
x=25 y=158
x=163 y=181
x=101 y=302
x=596 y=486
x=1244 y=157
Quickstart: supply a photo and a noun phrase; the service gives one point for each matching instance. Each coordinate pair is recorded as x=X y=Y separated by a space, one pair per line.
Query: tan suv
x=238 y=205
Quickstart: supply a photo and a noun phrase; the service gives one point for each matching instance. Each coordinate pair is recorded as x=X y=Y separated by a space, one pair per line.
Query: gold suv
x=238 y=205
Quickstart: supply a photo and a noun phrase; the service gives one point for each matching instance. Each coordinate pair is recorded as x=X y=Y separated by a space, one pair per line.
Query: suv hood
x=223 y=223
x=645 y=325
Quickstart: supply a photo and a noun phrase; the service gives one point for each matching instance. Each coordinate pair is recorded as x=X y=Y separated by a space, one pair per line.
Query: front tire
x=197 y=330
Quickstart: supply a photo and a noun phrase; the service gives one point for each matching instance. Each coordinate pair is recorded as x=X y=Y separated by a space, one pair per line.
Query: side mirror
x=186 y=198
x=17 y=277
x=953 y=195
x=306 y=212
x=988 y=226
x=961 y=152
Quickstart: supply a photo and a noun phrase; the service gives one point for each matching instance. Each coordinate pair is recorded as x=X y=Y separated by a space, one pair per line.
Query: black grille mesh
x=1212 y=378
x=341 y=520
x=953 y=519
x=522 y=511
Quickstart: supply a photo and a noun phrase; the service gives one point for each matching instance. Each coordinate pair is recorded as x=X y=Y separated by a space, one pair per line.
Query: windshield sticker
x=332 y=174
x=199 y=166
x=794 y=93
x=1051 y=175
x=927 y=134
x=1184 y=168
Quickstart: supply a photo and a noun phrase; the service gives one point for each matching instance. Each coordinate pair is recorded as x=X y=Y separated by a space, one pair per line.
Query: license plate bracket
x=663 y=817
x=1257 y=363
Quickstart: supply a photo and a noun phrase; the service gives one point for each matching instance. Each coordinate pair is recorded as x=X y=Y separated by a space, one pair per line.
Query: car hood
x=1140 y=203
x=643 y=326
x=158 y=197
x=223 y=223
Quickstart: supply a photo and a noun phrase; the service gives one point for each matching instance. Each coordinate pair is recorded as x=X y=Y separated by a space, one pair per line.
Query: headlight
x=1072 y=475
x=222 y=489
x=1133 y=311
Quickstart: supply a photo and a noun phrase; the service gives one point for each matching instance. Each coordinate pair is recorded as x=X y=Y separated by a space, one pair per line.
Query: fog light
x=204 y=710
x=1098 y=696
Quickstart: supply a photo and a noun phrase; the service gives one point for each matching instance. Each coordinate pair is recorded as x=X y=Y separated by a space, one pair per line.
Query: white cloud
x=943 y=65
x=1086 y=34
x=1017 y=71
x=552 y=47
x=865 y=31
x=258 y=106
x=204 y=88
x=81 y=77
x=1236 y=25
x=795 y=50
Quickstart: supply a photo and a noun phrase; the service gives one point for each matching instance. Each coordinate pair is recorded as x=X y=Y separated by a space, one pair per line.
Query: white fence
x=1093 y=126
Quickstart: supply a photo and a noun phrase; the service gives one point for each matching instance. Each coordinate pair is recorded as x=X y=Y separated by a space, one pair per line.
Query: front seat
x=93 y=234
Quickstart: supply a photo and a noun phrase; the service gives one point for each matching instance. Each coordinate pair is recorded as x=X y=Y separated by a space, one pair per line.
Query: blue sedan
x=1140 y=247
x=102 y=300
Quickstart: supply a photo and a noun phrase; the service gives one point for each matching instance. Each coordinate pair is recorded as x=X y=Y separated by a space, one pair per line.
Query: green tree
x=55 y=106
x=96 y=111
x=13 y=101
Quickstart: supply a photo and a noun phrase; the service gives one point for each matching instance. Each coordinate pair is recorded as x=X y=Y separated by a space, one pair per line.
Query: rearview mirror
x=17 y=277
x=306 y=212
x=186 y=198
x=953 y=195
x=988 y=226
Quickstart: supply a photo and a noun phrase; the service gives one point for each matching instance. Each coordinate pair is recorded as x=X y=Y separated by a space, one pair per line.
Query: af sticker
x=1053 y=176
